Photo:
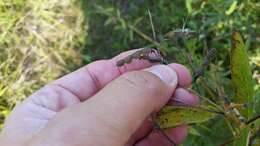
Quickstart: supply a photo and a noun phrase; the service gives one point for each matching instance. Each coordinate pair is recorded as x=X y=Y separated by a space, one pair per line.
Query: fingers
x=180 y=96
x=156 y=138
x=183 y=96
x=183 y=73
x=177 y=134
x=138 y=95
x=142 y=132
x=116 y=112
x=86 y=81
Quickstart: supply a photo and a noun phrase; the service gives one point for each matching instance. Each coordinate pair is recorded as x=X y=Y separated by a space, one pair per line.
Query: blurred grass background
x=41 y=40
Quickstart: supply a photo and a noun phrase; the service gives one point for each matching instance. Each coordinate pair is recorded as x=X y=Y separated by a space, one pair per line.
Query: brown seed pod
x=149 y=54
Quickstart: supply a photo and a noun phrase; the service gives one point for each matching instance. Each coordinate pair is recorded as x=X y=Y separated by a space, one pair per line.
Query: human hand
x=100 y=104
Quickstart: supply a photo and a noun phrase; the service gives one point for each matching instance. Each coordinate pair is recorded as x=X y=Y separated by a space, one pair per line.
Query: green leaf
x=231 y=8
x=193 y=131
x=243 y=139
x=172 y=116
x=241 y=75
x=2 y=90
x=188 y=4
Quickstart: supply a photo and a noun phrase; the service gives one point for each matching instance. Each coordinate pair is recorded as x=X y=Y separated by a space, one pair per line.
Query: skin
x=100 y=104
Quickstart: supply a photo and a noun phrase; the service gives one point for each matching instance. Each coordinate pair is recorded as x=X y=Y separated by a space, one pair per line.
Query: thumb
x=112 y=115
x=126 y=102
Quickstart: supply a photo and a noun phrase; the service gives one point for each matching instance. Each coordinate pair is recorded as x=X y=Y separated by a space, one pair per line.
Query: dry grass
x=38 y=40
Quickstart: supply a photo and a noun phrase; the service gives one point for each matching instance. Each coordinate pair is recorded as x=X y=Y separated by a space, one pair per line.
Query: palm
x=34 y=113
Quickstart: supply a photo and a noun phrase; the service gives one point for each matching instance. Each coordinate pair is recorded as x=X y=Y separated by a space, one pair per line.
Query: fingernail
x=165 y=73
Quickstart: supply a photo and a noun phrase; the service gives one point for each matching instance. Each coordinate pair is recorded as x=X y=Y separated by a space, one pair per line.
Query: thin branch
x=143 y=35
x=253 y=119
x=230 y=127
x=209 y=101
x=151 y=22
x=210 y=55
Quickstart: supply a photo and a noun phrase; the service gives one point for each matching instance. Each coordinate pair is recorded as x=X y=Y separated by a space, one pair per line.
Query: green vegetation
x=42 y=39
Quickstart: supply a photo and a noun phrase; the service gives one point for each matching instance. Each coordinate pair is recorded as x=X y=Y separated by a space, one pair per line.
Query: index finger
x=86 y=81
